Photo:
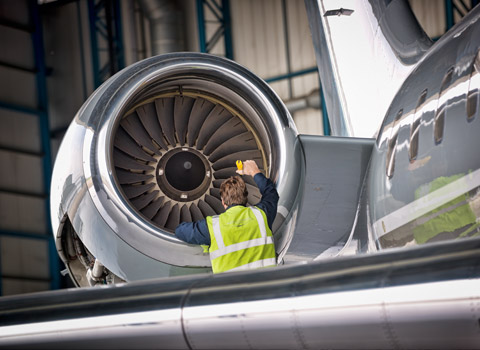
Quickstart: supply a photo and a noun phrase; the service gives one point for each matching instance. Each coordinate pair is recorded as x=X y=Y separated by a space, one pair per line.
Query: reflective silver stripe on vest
x=217 y=232
x=239 y=246
x=256 y=264
x=261 y=222
x=222 y=250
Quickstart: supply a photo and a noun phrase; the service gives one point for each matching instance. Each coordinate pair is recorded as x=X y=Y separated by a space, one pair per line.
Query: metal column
x=221 y=12
x=34 y=28
x=459 y=7
x=105 y=39
x=37 y=38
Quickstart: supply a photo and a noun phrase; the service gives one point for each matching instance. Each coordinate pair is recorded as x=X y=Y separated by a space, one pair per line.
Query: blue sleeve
x=269 y=200
x=193 y=232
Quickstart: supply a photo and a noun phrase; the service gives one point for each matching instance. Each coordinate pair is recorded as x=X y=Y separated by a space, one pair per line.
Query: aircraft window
x=392 y=145
x=415 y=127
x=472 y=97
x=440 y=115
x=446 y=81
x=472 y=104
x=439 y=125
x=422 y=99
x=414 y=140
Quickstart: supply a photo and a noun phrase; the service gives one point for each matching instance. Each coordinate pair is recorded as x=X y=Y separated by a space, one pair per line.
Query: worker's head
x=233 y=191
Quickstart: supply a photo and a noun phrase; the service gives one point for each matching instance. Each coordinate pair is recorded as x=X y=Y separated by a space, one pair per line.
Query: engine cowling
x=150 y=148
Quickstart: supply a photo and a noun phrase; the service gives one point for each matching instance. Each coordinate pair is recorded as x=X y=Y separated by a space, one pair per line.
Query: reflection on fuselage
x=425 y=178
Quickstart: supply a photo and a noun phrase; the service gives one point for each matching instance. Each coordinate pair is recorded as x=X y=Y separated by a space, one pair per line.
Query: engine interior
x=172 y=153
x=157 y=141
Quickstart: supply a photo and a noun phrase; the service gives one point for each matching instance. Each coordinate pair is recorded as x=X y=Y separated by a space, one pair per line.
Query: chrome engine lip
x=230 y=81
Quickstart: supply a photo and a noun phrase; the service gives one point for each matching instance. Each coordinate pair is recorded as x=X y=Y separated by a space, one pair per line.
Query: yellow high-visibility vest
x=240 y=240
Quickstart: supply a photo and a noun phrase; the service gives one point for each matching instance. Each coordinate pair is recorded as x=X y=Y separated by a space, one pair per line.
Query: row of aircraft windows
x=439 y=120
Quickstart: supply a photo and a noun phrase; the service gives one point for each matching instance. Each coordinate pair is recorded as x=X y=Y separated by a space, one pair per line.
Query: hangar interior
x=56 y=53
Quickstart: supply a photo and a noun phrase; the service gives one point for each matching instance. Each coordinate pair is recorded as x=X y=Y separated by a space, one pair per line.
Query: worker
x=241 y=237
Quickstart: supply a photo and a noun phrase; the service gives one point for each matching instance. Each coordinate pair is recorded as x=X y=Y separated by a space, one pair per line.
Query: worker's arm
x=193 y=232
x=269 y=200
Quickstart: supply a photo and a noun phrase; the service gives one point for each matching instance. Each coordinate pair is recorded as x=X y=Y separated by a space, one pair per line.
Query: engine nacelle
x=149 y=149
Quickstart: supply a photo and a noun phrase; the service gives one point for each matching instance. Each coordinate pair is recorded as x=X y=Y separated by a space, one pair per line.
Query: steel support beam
x=221 y=11
x=460 y=7
x=105 y=39
x=34 y=28
x=42 y=106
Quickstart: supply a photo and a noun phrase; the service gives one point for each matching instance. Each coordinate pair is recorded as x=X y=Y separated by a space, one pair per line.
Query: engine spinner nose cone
x=183 y=174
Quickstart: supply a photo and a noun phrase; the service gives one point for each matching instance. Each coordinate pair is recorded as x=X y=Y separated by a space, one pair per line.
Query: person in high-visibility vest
x=241 y=237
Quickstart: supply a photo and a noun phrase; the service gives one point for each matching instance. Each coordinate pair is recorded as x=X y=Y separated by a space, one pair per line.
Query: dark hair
x=234 y=191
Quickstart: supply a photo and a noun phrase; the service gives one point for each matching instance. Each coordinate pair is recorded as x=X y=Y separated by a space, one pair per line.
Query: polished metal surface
x=420 y=298
x=363 y=59
x=166 y=22
x=113 y=189
x=421 y=186
x=424 y=179
x=335 y=172
x=113 y=202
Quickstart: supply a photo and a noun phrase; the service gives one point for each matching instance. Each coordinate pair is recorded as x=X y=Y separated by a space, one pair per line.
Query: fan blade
x=142 y=201
x=206 y=209
x=182 y=110
x=217 y=183
x=215 y=203
x=152 y=209
x=162 y=215
x=123 y=161
x=201 y=109
x=225 y=173
x=126 y=177
x=132 y=191
x=148 y=117
x=215 y=119
x=224 y=133
x=242 y=142
x=196 y=213
x=135 y=129
x=216 y=193
x=173 y=218
x=229 y=160
x=185 y=215
x=125 y=143
x=254 y=195
x=164 y=108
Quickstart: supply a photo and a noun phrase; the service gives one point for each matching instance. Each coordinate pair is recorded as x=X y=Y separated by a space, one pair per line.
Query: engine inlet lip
x=145 y=80
x=171 y=184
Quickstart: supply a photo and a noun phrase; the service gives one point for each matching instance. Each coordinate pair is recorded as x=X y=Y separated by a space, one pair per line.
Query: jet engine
x=149 y=149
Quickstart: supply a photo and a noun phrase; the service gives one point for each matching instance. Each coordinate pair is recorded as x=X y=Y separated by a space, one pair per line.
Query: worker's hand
x=249 y=168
